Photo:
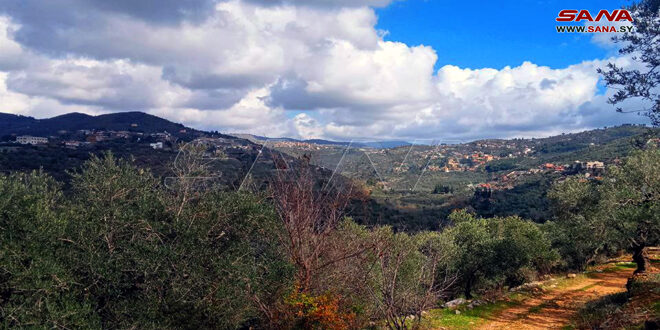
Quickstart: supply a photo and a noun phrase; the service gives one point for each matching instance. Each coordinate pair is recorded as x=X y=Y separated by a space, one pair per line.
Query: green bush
x=499 y=251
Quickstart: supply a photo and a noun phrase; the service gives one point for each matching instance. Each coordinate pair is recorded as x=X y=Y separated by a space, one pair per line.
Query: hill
x=123 y=121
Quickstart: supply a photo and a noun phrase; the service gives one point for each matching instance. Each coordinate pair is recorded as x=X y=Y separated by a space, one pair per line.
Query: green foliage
x=412 y=273
x=442 y=189
x=578 y=231
x=123 y=251
x=499 y=165
x=499 y=251
x=632 y=198
x=631 y=203
x=592 y=219
x=527 y=199
x=229 y=264
x=115 y=254
x=36 y=288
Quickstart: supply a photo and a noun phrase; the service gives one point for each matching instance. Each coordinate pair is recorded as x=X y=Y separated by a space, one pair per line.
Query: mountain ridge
x=122 y=121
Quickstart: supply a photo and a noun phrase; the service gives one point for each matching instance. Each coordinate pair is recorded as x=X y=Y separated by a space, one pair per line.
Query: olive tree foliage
x=498 y=251
x=36 y=287
x=631 y=203
x=116 y=233
x=643 y=44
x=119 y=251
x=621 y=213
x=578 y=230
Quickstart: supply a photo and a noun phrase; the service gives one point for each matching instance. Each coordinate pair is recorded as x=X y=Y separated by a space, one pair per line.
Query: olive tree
x=643 y=45
x=578 y=230
x=498 y=250
x=631 y=203
x=37 y=288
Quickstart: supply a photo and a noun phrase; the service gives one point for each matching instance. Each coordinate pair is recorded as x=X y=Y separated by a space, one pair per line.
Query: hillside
x=413 y=187
x=123 y=121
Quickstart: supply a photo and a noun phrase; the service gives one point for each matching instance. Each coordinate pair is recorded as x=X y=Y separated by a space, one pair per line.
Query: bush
x=499 y=251
x=118 y=253
x=36 y=287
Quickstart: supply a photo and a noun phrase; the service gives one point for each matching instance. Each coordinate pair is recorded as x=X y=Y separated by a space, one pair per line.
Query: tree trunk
x=468 y=289
x=640 y=257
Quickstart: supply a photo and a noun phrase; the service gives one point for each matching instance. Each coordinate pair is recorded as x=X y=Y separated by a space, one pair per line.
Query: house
x=157 y=145
x=595 y=165
x=26 y=139
x=123 y=134
x=72 y=144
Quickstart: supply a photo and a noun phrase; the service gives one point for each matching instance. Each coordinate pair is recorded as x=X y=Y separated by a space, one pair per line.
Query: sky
x=415 y=70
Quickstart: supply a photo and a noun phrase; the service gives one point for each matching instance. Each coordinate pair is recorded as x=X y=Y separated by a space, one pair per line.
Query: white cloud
x=239 y=66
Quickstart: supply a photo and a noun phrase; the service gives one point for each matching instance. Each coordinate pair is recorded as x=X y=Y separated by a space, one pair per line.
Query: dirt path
x=553 y=309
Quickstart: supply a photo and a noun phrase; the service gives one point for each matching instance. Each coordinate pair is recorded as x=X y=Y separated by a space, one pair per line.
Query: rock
x=475 y=303
x=458 y=312
x=454 y=303
x=571 y=275
x=531 y=286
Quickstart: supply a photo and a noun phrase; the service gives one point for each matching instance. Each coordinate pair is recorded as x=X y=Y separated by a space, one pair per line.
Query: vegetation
x=114 y=254
x=122 y=250
x=113 y=245
x=642 y=45
x=499 y=251
x=594 y=219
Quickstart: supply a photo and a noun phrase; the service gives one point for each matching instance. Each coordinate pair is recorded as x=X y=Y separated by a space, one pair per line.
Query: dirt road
x=554 y=309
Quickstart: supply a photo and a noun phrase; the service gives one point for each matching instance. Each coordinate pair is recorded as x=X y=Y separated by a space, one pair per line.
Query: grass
x=562 y=283
x=471 y=319
x=588 y=287
x=468 y=319
x=656 y=307
x=620 y=266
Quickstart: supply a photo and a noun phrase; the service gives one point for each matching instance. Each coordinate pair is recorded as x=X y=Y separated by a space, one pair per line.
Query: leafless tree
x=310 y=212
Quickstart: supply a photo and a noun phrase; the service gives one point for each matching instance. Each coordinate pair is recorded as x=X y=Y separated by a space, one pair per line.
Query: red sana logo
x=574 y=15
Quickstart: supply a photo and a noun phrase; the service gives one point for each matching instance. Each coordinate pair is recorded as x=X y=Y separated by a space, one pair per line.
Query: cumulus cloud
x=243 y=66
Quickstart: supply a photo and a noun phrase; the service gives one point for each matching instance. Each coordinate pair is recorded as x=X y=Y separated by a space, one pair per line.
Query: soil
x=555 y=308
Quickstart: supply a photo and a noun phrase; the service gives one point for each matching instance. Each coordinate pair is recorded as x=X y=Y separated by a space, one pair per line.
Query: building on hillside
x=157 y=145
x=34 y=140
x=595 y=165
x=72 y=144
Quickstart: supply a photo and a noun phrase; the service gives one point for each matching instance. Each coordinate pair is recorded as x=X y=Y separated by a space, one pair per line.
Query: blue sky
x=478 y=34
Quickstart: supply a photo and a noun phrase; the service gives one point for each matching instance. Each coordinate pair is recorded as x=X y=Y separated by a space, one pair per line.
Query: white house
x=26 y=139
x=157 y=145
